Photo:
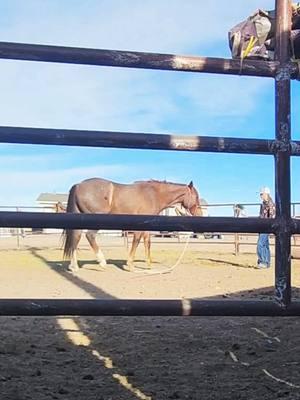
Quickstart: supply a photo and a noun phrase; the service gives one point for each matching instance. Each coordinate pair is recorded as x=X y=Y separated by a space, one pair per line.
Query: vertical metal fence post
x=18 y=233
x=236 y=244
x=282 y=157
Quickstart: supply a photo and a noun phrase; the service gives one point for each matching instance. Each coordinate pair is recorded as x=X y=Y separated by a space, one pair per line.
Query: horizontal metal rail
x=216 y=205
x=145 y=141
x=133 y=140
x=50 y=307
x=134 y=59
x=20 y=208
x=282 y=69
x=135 y=222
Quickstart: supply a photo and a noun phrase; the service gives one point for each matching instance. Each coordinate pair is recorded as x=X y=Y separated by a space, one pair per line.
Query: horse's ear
x=191 y=185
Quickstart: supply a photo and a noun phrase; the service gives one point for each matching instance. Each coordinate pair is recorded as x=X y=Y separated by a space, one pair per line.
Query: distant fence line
x=294 y=206
x=236 y=240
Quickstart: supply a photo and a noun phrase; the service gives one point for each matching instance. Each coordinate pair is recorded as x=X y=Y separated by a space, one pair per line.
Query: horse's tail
x=70 y=235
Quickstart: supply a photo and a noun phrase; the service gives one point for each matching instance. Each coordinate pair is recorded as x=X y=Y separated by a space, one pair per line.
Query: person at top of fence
x=267 y=210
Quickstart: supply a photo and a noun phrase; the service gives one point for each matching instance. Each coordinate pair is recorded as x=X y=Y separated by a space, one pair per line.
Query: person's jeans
x=263 y=250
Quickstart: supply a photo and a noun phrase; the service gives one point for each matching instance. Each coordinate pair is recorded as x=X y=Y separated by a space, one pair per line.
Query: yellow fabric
x=250 y=46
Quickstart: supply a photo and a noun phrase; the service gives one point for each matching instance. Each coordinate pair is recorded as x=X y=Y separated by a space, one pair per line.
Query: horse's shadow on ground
x=121 y=263
x=93 y=265
x=60 y=267
x=230 y=263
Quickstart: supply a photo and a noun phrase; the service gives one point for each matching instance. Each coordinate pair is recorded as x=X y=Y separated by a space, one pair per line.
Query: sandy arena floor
x=144 y=358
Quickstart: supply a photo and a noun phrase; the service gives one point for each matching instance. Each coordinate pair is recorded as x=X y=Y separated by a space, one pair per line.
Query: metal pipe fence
x=281 y=148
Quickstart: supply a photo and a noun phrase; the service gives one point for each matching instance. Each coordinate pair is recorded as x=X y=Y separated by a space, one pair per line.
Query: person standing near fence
x=267 y=210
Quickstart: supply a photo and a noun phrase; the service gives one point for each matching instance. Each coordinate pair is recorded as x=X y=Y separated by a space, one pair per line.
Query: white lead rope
x=170 y=269
x=167 y=270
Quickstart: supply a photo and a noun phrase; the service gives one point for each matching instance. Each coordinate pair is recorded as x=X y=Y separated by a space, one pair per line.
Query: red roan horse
x=143 y=197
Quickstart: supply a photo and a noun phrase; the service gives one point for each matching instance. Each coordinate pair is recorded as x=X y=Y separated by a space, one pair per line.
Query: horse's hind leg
x=135 y=242
x=91 y=237
x=73 y=266
x=76 y=235
x=147 y=244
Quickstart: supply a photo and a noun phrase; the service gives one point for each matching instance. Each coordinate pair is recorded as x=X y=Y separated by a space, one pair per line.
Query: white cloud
x=34 y=175
x=148 y=25
x=27 y=162
x=78 y=97
x=39 y=94
x=230 y=97
x=23 y=187
x=82 y=97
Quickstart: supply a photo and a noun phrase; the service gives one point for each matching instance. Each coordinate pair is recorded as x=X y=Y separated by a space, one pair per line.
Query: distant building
x=5 y=232
x=49 y=201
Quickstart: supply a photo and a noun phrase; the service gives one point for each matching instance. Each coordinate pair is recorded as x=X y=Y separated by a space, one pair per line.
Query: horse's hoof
x=73 y=270
x=128 y=267
x=102 y=264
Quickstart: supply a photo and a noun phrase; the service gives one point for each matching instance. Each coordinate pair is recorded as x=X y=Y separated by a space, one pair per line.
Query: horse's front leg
x=91 y=237
x=147 y=244
x=135 y=242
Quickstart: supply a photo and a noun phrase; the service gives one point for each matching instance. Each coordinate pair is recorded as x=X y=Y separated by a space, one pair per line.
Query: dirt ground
x=110 y=358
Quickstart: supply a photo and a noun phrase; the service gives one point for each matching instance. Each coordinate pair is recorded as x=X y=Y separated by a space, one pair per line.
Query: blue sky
x=100 y=98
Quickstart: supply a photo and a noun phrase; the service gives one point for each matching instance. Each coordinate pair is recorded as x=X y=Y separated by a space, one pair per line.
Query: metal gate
x=281 y=148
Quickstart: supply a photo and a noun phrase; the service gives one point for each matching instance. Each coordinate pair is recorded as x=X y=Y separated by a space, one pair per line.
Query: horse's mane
x=164 y=182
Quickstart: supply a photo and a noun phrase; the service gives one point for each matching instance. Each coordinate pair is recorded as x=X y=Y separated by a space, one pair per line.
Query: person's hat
x=265 y=190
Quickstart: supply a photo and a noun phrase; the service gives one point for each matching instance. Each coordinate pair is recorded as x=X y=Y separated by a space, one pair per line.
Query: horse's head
x=191 y=201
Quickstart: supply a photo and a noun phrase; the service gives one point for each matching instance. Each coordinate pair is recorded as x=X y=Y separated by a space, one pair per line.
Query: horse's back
x=94 y=195
x=97 y=195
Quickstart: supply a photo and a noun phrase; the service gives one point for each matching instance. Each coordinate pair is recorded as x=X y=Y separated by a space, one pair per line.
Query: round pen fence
x=237 y=243
x=281 y=148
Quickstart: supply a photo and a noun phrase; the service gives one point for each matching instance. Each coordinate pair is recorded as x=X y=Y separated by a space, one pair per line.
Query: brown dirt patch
x=144 y=358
